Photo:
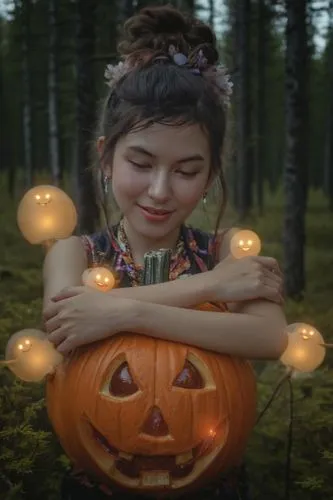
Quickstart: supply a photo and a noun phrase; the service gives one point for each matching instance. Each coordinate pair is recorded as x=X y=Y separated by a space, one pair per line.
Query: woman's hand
x=78 y=316
x=250 y=278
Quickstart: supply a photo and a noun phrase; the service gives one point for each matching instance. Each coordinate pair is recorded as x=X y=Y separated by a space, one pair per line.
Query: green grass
x=30 y=460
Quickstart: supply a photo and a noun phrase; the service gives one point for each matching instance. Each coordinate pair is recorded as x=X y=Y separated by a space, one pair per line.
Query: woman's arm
x=188 y=292
x=249 y=336
x=259 y=307
x=63 y=267
x=66 y=261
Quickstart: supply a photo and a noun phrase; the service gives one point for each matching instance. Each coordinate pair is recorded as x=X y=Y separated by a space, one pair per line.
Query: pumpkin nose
x=155 y=425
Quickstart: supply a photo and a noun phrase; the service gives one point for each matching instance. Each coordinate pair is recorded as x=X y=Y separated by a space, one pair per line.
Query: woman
x=160 y=148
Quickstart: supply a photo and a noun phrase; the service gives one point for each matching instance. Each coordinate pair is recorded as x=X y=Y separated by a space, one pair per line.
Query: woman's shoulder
x=206 y=236
x=207 y=242
x=200 y=247
x=97 y=245
x=199 y=235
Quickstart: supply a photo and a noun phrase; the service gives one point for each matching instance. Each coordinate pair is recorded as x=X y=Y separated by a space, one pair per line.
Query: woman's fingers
x=52 y=324
x=274 y=278
x=57 y=337
x=50 y=311
x=268 y=263
x=67 y=346
x=272 y=290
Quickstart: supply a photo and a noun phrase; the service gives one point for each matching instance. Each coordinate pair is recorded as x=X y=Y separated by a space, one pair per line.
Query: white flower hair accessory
x=220 y=77
x=113 y=73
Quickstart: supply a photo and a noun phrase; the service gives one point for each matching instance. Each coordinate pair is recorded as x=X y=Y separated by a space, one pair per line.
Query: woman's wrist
x=218 y=286
x=130 y=314
x=208 y=284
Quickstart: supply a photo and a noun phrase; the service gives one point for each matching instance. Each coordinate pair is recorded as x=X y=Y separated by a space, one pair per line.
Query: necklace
x=179 y=260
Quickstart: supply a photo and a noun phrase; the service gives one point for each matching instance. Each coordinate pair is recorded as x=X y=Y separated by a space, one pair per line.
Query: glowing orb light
x=305 y=351
x=30 y=355
x=100 y=278
x=245 y=243
x=46 y=213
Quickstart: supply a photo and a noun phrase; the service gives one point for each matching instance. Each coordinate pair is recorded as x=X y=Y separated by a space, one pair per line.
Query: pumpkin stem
x=156 y=266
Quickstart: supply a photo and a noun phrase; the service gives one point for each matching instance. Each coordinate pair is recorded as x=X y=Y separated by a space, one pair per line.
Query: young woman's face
x=159 y=175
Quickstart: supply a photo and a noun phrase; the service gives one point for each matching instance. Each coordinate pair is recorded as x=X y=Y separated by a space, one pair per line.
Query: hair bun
x=149 y=34
x=200 y=33
x=154 y=28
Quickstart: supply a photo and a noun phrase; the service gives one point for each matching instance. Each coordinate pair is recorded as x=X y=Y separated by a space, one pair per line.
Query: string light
x=30 y=355
x=46 y=214
x=306 y=348
x=99 y=278
x=244 y=243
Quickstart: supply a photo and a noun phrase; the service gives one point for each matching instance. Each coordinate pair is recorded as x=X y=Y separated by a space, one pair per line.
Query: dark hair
x=157 y=90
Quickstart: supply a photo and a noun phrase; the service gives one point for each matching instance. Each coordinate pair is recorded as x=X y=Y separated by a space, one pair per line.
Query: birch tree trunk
x=295 y=169
x=53 y=89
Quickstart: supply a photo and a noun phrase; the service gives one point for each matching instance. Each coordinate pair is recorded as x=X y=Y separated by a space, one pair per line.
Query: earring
x=105 y=184
x=204 y=198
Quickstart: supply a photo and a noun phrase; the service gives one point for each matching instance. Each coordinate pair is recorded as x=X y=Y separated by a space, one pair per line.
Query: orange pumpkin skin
x=152 y=416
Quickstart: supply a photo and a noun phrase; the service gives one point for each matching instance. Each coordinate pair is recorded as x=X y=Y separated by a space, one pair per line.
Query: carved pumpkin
x=152 y=416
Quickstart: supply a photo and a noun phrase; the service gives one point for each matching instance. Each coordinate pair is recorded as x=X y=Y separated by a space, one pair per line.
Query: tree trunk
x=328 y=174
x=125 y=9
x=243 y=121
x=128 y=8
x=186 y=5
x=3 y=135
x=88 y=211
x=211 y=13
x=261 y=87
x=53 y=86
x=295 y=171
x=26 y=92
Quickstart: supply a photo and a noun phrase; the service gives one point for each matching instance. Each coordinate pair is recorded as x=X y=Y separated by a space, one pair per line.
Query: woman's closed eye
x=139 y=165
x=188 y=174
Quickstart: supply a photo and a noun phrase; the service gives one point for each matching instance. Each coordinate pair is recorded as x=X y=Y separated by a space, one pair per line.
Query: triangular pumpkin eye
x=122 y=383
x=189 y=377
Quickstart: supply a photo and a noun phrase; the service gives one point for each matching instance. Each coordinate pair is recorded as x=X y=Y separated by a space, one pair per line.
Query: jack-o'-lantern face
x=150 y=415
x=152 y=449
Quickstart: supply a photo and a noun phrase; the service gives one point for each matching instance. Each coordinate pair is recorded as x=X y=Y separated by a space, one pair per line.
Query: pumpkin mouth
x=153 y=471
x=140 y=466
